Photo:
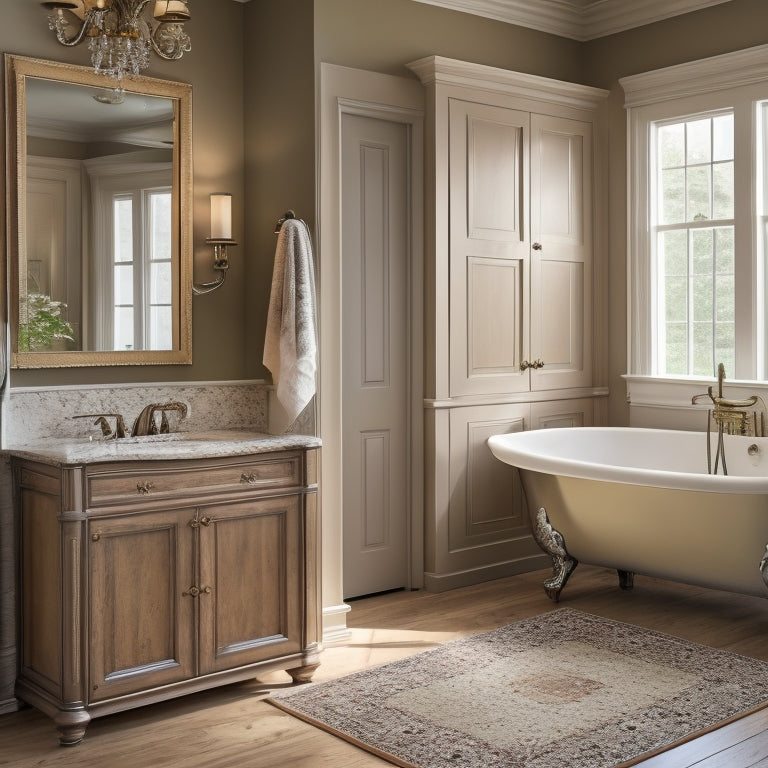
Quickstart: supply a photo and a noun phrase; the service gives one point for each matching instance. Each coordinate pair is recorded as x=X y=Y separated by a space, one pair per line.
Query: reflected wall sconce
x=221 y=237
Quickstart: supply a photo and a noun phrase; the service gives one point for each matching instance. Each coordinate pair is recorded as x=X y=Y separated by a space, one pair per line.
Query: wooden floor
x=232 y=726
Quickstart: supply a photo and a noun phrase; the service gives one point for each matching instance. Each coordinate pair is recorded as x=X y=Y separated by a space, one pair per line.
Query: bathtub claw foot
x=626 y=579
x=553 y=543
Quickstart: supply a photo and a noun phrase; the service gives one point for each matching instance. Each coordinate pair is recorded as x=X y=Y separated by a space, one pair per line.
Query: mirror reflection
x=101 y=269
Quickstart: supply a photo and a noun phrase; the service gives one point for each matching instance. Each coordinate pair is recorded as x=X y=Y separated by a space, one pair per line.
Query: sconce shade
x=221 y=216
x=171 y=10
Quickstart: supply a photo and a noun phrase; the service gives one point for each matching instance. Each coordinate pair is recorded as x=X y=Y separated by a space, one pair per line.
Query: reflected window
x=142 y=270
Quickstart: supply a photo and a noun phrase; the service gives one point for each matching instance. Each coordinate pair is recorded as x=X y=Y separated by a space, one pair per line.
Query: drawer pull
x=143 y=488
x=250 y=478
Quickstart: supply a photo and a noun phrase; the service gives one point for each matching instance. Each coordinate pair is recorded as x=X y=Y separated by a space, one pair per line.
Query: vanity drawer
x=193 y=480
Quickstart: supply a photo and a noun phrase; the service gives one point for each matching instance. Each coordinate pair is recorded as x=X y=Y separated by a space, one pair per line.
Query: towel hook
x=287 y=215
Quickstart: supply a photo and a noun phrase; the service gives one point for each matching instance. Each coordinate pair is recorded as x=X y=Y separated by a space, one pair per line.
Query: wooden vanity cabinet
x=141 y=581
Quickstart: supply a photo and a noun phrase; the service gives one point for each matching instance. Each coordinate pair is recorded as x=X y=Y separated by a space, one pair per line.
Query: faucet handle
x=101 y=421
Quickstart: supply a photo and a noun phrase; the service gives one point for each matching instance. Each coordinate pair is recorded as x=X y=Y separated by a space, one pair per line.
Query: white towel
x=290 y=347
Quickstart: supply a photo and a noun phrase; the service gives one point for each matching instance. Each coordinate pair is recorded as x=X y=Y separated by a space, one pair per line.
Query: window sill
x=659 y=401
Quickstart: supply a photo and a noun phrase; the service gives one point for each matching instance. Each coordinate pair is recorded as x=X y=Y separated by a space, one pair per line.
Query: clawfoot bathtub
x=641 y=501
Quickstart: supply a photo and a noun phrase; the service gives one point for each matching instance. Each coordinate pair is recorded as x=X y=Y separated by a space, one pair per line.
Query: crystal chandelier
x=120 y=37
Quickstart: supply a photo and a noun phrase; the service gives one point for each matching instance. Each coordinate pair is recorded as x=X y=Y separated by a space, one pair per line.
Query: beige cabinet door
x=489 y=248
x=141 y=622
x=561 y=255
x=251 y=581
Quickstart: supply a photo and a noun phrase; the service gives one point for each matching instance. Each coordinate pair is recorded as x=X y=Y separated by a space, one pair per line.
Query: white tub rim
x=523 y=450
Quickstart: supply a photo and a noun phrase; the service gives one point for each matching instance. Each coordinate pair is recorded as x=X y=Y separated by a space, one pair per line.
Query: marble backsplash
x=34 y=413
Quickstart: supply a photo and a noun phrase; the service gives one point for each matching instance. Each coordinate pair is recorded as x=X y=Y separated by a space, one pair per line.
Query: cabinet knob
x=537 y=246
x=196 y=591
x=196 y=522
x=143 y=488
x=537 y=364
x=250 y=478
x=525 y=365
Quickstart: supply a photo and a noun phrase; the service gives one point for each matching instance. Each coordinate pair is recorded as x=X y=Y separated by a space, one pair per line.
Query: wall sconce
x=221 y=237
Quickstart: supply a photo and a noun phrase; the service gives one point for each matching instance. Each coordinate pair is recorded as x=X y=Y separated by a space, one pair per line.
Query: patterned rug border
x=280 y=699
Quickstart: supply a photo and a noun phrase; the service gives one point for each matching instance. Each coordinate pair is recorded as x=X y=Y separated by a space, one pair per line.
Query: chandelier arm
x=78 y=37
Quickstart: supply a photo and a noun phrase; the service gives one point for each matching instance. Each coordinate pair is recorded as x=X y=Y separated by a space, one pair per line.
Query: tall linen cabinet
x=514 y=304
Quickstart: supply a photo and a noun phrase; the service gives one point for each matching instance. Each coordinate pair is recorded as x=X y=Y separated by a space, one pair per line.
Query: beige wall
x=709 y=32
x=279 y=103
x=214 y=67
x=254 y=71
x=385 y=36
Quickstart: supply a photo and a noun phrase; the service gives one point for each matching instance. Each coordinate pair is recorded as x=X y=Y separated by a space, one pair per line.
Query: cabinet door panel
x=494 y=329
x=561 y=264
x=487 y=517
x=140 y=566
x=250 y=558
x=488 y=164
x=562 y=413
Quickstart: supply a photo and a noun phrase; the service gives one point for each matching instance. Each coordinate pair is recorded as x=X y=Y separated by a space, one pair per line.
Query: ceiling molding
x=577 y=19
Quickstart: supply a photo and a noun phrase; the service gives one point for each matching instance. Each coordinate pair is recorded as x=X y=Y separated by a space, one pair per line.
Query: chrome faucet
x=145 y=423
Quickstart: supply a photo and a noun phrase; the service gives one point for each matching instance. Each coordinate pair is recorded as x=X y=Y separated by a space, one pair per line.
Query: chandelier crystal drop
x=121 y=37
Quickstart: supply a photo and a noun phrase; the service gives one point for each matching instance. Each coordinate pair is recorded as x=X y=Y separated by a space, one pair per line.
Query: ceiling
x=577 y=19
x=72 y=112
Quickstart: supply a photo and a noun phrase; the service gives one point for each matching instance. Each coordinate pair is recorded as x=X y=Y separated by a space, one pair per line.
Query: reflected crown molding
x=577 y=19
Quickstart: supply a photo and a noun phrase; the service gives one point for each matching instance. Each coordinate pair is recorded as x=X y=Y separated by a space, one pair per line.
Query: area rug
x=562 y=689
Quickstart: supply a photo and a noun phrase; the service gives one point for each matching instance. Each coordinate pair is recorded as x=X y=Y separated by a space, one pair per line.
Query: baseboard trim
x=335 y=628
x=442 y=582
x=10 y=705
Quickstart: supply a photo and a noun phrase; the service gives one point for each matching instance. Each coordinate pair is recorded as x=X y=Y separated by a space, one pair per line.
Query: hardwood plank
x=233 y=726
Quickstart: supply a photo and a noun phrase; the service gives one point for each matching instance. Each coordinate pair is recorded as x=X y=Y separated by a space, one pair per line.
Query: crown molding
x=728 y=70
x=577 y=19
x=438 y=69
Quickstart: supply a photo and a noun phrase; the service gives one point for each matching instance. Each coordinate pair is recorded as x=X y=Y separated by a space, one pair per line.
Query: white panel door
x=561 y=257
x=375 y=352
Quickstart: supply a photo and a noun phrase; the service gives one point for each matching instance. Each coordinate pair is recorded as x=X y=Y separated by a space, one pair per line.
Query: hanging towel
x=290 y=347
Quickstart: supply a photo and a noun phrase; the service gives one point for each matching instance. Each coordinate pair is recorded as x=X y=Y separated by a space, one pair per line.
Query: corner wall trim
x=335 y=628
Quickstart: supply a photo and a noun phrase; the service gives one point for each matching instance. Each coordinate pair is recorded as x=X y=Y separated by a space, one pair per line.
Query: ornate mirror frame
x=18 y=69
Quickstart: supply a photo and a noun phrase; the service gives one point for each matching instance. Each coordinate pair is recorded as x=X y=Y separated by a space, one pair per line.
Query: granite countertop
x=177 y=445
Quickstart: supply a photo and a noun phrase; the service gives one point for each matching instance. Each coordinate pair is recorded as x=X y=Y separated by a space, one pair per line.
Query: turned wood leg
x=626 y=579
x=71 y=725
x=303 y=674
x=553 y=543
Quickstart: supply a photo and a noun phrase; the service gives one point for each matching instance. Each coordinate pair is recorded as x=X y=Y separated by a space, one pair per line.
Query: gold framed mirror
x=99 y=198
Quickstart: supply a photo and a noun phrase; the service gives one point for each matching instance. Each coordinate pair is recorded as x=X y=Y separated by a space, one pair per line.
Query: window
x=698 y=218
